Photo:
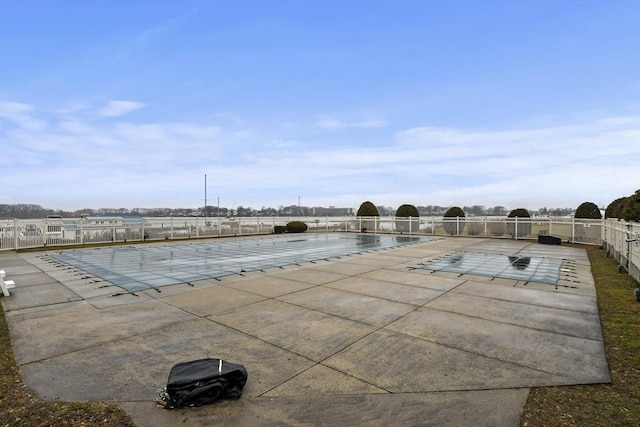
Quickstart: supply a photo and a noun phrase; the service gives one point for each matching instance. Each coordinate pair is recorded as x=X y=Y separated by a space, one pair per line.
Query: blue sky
x=127 y=103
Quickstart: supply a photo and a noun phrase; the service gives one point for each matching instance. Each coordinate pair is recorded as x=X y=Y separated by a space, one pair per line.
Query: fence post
x=15 y=234
x=81 y=230
x=516 y=230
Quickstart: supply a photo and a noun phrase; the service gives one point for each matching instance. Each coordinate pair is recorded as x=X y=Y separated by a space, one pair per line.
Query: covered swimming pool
x=136 y=268
x=525 y=268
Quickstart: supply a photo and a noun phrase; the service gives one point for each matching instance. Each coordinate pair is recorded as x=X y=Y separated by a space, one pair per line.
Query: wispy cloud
x=333 y=123
x=90 y=158
x=119 y=108
x=20 y=114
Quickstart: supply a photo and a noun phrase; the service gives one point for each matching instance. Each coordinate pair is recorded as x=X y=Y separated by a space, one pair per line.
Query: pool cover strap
x=204 y=381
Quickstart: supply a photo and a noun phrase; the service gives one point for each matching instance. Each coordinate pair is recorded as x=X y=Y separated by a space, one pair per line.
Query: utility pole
x=205 y=199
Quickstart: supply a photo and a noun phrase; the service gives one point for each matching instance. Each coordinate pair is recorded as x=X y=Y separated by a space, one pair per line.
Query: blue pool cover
x=529 y=269
x=136 y=268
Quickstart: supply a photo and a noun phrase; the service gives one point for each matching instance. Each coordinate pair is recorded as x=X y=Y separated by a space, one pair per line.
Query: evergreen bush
x=524 y=228
x=588 y=210
x=367 y=209
x=627 y=208
x=456 y=227
x=407 y=225
x=296 y=227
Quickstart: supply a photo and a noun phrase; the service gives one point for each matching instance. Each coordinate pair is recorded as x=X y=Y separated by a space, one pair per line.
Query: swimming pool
x=529 y=269
x=136 y=268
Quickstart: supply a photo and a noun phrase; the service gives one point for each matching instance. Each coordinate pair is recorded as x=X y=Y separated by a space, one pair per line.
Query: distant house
x=331 y=211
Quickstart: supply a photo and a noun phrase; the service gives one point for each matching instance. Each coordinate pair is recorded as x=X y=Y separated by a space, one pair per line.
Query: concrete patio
x=369 y=339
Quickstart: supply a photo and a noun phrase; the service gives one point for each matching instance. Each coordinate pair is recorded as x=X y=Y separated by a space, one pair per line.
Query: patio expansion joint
x=320 y=362
x=528 y=303
x=513 y=324
x=328 y=367
x=436 y=342
x=102 y=343
x=315 y=362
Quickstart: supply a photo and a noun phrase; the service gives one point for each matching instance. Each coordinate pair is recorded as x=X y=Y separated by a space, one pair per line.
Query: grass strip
x=20 y=408
x=615 y=404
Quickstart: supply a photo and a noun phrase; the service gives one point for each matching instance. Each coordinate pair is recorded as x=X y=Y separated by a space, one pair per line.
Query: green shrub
x=627 y=208
x=524 y=229
x=296 y=227
x=407 y=225
x=588 y=210
x=614 y=210
x=279 y=229
x=367 y=209
x=631 y=208
x=454 y=228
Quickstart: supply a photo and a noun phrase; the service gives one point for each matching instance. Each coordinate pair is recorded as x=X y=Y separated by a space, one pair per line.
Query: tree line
x=33 y=211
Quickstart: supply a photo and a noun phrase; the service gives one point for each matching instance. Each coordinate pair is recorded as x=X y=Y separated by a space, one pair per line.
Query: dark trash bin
x=549 y=240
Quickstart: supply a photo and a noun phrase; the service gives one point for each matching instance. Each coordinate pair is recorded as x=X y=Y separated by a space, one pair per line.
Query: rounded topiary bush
x=279 y=229
x=412 y=223
x=524 y=228
x=367 y=209
x=453 y=222
x=296 y=227
x=588 y=210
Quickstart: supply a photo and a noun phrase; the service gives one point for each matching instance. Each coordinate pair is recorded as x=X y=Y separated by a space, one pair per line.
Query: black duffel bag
x=204 y=381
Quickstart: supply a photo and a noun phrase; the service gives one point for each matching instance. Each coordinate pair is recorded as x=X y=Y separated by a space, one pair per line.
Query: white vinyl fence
x=621 y=240
x=29 y=233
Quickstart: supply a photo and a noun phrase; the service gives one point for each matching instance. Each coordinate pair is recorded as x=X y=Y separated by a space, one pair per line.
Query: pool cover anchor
x=117 y=294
